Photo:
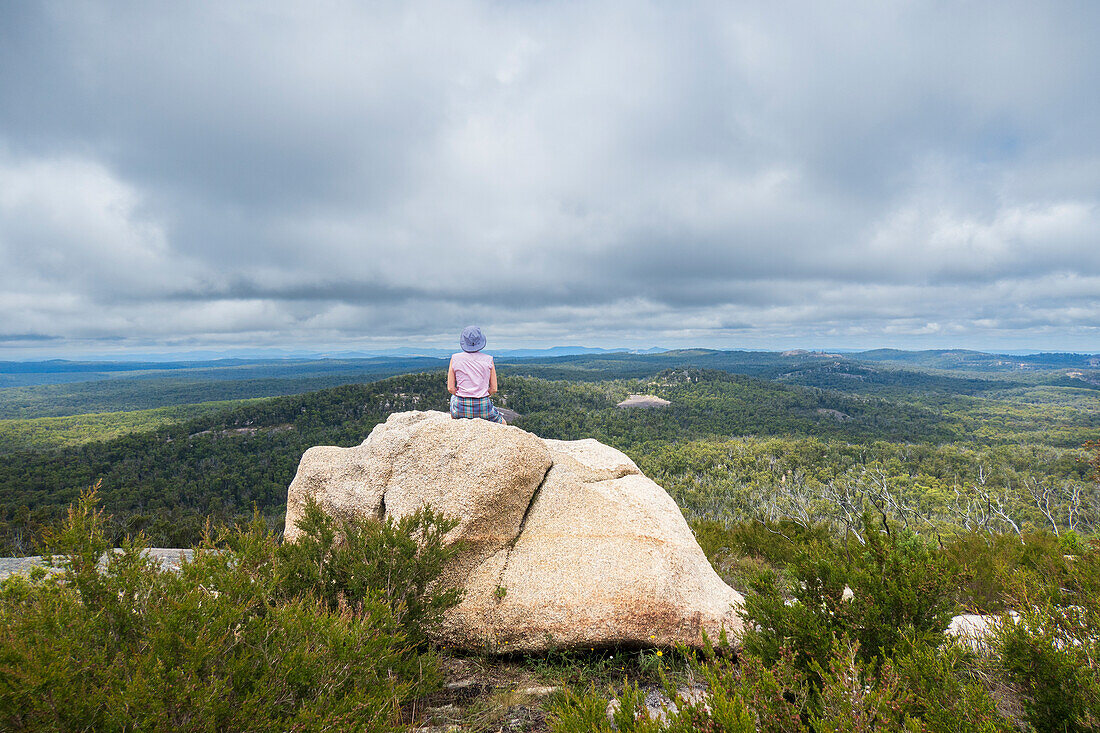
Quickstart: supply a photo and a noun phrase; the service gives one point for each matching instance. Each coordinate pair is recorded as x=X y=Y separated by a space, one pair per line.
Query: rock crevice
x=512 y=544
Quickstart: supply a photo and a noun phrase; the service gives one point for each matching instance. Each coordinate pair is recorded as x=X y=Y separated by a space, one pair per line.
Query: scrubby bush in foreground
x=823 y=662
x=353 y=558
x=922 y=689
x=1053 y=652
x=745 y=695
x=900 y=585
x=238 y=640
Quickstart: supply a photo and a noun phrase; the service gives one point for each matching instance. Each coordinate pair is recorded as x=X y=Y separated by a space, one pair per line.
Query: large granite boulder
x=565 y=543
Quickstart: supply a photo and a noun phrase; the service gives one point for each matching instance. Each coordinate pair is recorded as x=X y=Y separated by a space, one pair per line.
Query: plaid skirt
x=474 y=407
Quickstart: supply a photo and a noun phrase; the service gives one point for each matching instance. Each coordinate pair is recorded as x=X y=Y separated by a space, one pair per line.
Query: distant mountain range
x=155 y=360
x=403 y=359
x=509 y=353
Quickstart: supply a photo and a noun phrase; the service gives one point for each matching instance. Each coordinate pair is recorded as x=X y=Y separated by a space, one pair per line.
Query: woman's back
x=472 y=371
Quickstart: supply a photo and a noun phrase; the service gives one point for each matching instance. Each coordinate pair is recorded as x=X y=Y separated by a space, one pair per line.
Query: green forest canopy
x=929 y=432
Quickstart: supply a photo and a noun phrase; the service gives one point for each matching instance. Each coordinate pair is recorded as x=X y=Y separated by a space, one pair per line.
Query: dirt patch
x=483 y=694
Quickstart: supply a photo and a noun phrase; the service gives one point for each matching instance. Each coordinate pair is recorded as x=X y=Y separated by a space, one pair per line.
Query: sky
x=348 y=175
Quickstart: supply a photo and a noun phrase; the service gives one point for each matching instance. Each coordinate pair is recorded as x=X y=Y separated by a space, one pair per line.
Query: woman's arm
x=451 y=380
x=493 y=379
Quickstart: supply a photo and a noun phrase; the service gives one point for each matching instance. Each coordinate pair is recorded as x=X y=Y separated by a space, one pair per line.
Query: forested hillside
x=726 y=445
x=47 y=433
x=51 y=389
x=192 y=383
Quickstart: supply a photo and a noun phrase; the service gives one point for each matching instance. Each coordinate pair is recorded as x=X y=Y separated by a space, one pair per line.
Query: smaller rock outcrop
x=975 y=630
x=644 y=400
x=169 y=558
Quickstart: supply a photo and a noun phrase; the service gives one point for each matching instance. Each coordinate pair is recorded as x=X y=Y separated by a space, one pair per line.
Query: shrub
x=806 y=627
x=1051 y=652
x=899 y=583
x=342 y=560
x=851 y=702
x=123 y=645
x=724 y=708
x=719 y=711
x=777 y=543
x=946 y=692
x=983 y=563
x=748 y=696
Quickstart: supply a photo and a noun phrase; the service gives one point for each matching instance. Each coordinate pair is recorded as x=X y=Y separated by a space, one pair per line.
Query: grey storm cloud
x=701 y=173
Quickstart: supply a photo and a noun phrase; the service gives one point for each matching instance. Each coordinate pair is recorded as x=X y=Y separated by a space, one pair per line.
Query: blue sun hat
x=472 y=339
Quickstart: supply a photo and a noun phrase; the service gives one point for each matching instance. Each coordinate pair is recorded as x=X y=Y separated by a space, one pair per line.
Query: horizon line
x=318 y=354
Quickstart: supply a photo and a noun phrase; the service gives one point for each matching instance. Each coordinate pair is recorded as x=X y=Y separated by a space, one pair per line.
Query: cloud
x=765 y=174
x=71 y=221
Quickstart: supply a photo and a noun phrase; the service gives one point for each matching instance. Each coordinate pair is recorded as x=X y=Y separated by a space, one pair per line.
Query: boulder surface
x=564 y=543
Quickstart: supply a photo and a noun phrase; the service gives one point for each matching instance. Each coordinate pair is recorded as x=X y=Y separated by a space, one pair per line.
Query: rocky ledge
x=169 y=558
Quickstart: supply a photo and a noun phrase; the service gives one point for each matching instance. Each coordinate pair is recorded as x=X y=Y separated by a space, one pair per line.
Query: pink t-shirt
x=472 y=373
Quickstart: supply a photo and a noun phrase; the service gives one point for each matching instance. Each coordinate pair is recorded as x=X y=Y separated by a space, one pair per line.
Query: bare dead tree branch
x=1041 y=497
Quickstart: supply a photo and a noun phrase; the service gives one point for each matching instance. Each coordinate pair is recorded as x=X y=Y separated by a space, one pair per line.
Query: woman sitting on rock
x=472 y=378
